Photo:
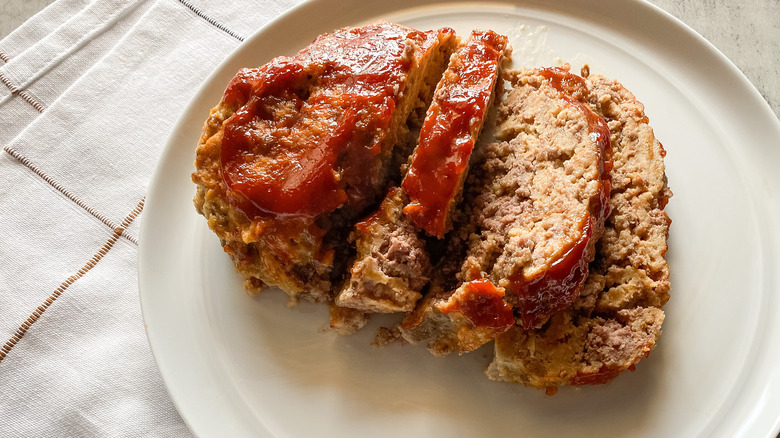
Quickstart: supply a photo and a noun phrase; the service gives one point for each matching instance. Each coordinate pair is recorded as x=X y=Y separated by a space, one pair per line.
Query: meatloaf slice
x=452 y=125
x=617 y=318
x=536 y=201
x=297 y=149
x=392 y=265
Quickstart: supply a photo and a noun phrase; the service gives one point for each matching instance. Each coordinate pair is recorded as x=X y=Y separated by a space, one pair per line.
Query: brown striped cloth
x=89 y=90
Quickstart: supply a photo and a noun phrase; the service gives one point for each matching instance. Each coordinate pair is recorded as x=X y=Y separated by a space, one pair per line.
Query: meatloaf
x=392 y=264
x=547 y=235
x=299 y=148
x=535 y=205
x=617 y=317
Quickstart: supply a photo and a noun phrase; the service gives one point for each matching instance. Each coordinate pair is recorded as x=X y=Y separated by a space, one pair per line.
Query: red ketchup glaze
x=483 y=304
x=557 y=287
x=288 y=153
x=449 y=130
x=565 y=82
x=600 y=377
x=364 y=226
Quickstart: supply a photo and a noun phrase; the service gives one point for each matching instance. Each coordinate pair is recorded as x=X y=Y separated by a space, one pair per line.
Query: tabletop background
x=747 y=32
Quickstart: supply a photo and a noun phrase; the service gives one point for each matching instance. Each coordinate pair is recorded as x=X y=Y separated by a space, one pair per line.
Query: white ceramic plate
x=237 y=366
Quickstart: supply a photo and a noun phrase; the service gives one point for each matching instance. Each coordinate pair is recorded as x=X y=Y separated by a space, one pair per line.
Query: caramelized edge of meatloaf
x=297 y=254
x=543 y=139
x=617 y=318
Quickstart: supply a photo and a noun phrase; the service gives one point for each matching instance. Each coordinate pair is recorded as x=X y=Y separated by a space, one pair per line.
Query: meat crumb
x=387 y=336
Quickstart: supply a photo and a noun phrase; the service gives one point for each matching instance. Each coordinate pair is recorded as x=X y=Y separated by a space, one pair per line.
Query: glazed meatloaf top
x=452 y=125
x=299 y=147
x=617 y=318
x=535 y=205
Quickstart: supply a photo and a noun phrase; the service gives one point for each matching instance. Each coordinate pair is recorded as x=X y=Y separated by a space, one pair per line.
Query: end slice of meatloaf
x=536 y=201
x=392 y=265
x=617 y=318
x=452 y=125
x=301 y=146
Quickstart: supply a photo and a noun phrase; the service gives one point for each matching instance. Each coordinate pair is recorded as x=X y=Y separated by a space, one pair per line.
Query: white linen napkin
x=89 y=93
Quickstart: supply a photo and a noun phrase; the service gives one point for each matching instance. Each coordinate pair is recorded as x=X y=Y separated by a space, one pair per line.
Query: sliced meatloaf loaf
x=536 y=201
x=298 y=149
x=392 y=264
x=617 y=318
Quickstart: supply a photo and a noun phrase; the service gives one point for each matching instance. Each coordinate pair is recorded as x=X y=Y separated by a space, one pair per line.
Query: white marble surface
x=747 y=32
